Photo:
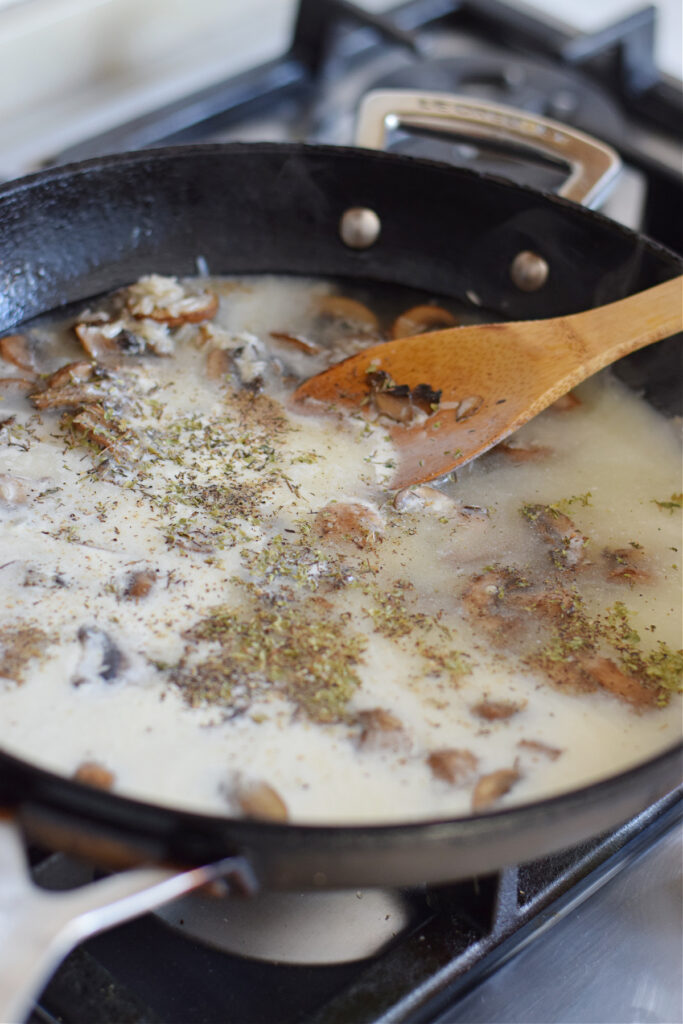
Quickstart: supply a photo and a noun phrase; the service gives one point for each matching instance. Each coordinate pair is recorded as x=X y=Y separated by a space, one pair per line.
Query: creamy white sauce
x=79 y=536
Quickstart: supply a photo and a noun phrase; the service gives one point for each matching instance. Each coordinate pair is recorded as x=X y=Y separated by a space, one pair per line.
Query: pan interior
x=525 y=560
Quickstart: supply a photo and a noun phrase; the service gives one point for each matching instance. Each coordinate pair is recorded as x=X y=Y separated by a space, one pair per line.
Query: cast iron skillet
x=70 y=233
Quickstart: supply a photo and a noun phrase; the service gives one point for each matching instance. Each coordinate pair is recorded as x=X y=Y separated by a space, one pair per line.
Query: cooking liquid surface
x=214 y=601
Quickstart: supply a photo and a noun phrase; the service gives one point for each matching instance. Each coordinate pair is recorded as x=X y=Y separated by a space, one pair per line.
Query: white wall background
x=71 y=68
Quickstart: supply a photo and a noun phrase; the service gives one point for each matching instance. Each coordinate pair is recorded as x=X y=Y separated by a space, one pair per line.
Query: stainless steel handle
x=38 y=928
x=593 y=166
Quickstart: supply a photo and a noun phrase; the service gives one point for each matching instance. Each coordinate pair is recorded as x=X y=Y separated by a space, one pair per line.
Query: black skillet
x=70 y=233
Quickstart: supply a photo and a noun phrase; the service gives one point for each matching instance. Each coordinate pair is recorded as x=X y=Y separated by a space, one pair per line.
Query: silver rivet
x=359 y=227
x=529 y=271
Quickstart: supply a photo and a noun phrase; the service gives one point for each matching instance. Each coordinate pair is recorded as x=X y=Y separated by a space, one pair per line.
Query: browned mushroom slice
x=518 y=454
x=165 y=300
x=412 y=499
x=396 y=403
x=93 y=774
x=381 y=730
x=420 y=319
x=297 y=342
x=72 y=373
x=14 y=348
x=490 y=788
x=453 y=765
x=623 y=565
x=467 y=407
x=92 y=423
x=496 y=710
x=491 y=598
x=101 y=341
x=349 y=522
x=349 y=312
x=16 y=385
x=260 y=801
x=536 y=747
x=218 y=363
x=71 y=385
x=557 y=530
x=426 y=397
x=611 y=678
x=139 y=584
x=555 y=607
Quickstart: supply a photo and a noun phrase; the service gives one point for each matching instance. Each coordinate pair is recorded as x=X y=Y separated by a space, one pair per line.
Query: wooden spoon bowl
x=494 y=378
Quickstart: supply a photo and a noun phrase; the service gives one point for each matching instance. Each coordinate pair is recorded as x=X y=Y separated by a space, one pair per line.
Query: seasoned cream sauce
x=215 y=601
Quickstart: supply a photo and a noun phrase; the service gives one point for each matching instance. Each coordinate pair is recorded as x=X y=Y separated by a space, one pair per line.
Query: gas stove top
x=462 y=952
x=414 y=956
x=605 y=83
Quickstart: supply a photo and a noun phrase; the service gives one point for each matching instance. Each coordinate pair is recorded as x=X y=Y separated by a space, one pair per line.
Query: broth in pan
x=216 y=601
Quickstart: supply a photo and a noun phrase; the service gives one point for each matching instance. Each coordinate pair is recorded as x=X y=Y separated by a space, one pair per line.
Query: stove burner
x=294 y=927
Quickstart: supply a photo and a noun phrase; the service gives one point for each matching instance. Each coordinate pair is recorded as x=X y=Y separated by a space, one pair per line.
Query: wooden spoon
x=495 y=377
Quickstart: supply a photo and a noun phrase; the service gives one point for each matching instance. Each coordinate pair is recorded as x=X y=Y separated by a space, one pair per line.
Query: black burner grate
x=145 y=972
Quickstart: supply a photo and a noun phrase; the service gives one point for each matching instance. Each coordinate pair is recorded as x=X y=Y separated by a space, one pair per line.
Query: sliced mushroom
x=398 y=401
x=295 y=341
x=15 y=349
x=92 y=423
x=16 y=385
x=493 y=599
x=623 y=565
x=535 y=747
x=125 y=336
x=381 y=730
x=218 y=363
x=140 y=584
x=453 y=765
x=72 y=385
x=557 y=530
x=349 y=311
x=100 y=657
x=260 y=801
x=611 y=678
x=419 y=319
x=163 y=299
x=496 y=710
x=246 y=354
x=91 y=773
x=490 y=788
x=467 y=407
x=412 y=499
x=349 y=522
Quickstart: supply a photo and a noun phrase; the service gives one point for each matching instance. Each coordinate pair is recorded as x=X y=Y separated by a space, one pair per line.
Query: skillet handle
x=39 y=927
x=593 y=166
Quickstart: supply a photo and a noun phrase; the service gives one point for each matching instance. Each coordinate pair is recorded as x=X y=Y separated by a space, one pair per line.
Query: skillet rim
x=59 y=171
x=94 y=801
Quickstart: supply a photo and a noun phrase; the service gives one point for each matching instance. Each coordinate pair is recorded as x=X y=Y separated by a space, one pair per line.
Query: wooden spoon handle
x=607 y=333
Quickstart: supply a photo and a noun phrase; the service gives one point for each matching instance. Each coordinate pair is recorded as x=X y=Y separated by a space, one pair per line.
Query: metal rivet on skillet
x=529 y=271
x=359 y=227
